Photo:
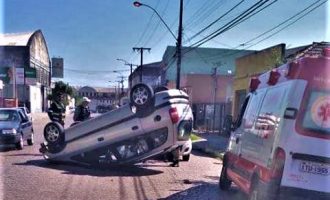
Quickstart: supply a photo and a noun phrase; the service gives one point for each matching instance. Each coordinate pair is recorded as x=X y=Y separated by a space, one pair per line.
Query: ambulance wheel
x=54 y=133
x=141 y=95
x=257 y=193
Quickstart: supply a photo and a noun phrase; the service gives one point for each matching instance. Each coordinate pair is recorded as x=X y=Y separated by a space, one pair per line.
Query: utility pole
x=141 y=49
x=215 y=97
x=178 y=46
x=122 y=83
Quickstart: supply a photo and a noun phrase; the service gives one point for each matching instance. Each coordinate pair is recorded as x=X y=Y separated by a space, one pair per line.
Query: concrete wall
x=201 y=88
x=35 y=99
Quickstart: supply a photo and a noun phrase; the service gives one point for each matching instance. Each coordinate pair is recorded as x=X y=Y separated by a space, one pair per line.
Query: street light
x=117 y=96
x=139 y=4
x=178 y=39
x=122 y=79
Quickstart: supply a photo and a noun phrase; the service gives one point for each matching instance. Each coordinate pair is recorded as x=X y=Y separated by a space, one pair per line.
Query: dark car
x=15 y=128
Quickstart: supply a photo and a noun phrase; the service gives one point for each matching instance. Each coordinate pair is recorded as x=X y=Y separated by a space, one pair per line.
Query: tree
x=59 y=89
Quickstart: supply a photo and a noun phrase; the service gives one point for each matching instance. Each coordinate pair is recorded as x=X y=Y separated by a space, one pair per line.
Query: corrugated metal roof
x=15 y=39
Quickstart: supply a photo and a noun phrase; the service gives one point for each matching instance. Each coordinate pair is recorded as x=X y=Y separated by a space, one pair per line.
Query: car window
x=240 y=117
x=9 y=115
x=22 y=115
x=252 y=109
x=272 y=109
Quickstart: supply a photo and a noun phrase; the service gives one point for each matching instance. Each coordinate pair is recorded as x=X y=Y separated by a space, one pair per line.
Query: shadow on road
x=204 y=190
x=202 y=154
x=7 y=148
x=98 y=171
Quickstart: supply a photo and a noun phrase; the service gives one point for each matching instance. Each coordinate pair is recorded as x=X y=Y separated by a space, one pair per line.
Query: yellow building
x=252 y=65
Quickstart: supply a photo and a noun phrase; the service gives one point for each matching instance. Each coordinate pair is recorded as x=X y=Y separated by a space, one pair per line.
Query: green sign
x=6 y=74
x=30 y=73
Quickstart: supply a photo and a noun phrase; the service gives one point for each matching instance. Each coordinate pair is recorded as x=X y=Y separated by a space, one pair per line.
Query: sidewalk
x=211 y=143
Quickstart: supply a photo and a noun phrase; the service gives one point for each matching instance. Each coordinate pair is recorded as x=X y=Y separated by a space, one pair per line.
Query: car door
x=25 y=124
x=243 y=166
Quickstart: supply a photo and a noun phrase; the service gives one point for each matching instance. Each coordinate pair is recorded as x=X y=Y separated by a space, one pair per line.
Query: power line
x=206 y=13
x=246 y=14
x=231 y=23
x=215 y=21
x=282 y=23
x=198 y=12
x=93 y=71
x=147 y=28
x=157 y=26
x=289 y=24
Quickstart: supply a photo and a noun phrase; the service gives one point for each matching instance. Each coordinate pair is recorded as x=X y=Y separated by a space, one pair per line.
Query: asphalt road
x=26 y=175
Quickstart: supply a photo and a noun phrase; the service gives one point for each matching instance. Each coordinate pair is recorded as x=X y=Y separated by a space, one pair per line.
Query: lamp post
x=121 y=81
x=117 y=97
x=178 y=39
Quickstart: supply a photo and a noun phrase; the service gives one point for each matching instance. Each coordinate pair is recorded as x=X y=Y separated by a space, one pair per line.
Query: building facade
x=207 y=75
x=151 y=74
x=252 y=65
x=25 y=70
x=102 y=99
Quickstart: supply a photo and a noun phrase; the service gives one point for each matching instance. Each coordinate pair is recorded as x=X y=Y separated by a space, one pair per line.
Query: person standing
x=57 y=109
x=82 y=111
x=176 y=155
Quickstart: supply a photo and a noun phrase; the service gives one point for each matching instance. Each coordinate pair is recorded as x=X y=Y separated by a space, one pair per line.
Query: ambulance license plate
x=314 y=168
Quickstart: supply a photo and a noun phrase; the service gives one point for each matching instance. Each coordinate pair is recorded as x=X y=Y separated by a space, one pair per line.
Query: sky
x=91 y=34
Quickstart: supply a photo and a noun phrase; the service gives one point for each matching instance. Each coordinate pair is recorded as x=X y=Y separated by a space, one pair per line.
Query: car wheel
x=31 y=140
x=224 y=182
x=141 y=95
x=255 y=193
x=258 y=194
x=186 y=157
x=54 y=133
x=20 y=143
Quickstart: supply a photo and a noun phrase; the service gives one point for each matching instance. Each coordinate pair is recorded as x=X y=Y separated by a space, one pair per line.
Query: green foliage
x=61 y=88
x=194 y=137
x=78 y=100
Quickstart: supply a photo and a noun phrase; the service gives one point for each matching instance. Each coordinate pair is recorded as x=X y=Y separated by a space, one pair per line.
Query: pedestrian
x=57 y=109
x=82 y=111
x=176 y=155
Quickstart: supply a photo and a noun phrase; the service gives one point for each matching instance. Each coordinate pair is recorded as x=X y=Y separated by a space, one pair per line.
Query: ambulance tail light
x=292 y=69
x=326 y=52
x=174 y=115
x=254 y=83
x=278 y=163
x=273 y=77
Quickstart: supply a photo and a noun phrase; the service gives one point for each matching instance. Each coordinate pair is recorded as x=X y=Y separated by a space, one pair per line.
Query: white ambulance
x=280 y=144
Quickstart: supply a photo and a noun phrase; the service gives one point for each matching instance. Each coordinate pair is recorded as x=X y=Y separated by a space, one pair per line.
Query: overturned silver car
x=153 y=123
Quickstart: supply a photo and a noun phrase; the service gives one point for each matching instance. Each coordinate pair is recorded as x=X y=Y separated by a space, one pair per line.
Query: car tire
x=186 y=157
x=54 y=133
x=20 y=143
x=224 y=181
x=256 y=193
x=30 y=141
x=141 y=96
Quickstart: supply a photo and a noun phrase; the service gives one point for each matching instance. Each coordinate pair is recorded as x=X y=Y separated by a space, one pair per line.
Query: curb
x=202 y=146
